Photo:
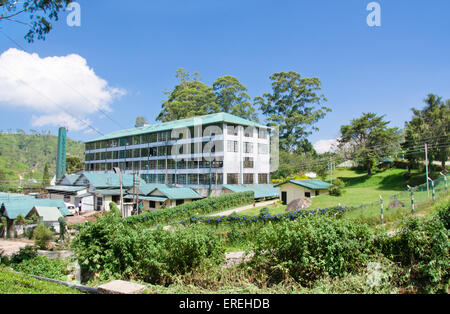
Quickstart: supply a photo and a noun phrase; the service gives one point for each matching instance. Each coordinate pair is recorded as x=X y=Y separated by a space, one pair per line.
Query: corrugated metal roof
x=260 y=190
x=206 y=119
x=22 y=205
x=179 y=193
x=148 y=198
x=147 y=188
x=47 y=213
x=107 y=180
x=109 y=192
x=65 y=188
x=310 y=184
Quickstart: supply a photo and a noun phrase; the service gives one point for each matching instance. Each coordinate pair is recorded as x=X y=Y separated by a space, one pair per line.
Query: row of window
x=232 y=146
x=155 y=165
x=248 y=178
x=167 y=135
x=185 y=179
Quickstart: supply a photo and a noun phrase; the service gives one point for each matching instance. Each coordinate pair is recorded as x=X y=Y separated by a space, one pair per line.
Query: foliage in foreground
x=113 y=248
x=14 y=283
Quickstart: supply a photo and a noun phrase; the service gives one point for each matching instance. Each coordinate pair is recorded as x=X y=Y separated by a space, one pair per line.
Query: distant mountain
x=23 y=156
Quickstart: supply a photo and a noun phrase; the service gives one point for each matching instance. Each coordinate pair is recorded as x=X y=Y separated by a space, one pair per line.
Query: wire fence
x=402 y=203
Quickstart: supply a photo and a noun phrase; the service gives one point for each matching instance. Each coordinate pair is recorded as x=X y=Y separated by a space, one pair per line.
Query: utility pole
x=331 y=171
x=426 y=165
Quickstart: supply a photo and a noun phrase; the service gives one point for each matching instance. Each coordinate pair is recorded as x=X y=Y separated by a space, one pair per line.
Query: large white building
x=179 y=153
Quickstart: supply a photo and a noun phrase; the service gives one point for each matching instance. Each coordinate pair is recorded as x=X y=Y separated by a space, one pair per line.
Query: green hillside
x=23 y=156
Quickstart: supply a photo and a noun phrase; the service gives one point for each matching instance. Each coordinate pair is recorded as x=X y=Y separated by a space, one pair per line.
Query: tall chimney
x=61 y=157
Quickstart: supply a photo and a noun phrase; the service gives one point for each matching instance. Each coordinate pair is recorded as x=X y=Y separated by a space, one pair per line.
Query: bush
x=308 y=249
x=114 y=248
x=337 y=188
x=422 y=247
x=44 y=267
x=24 y=254
x=42 y=236
x=204 y=206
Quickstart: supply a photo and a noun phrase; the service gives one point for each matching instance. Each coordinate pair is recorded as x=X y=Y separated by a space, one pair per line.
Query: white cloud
x=325 y=146
x=62 y=90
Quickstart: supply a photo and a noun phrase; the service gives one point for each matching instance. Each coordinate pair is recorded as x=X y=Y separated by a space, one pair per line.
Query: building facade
x=202 y=153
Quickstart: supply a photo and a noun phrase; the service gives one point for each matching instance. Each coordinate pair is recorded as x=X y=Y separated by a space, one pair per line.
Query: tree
x=73 y=164
x=293 y=106
x=431 y=126
x=40 y=14
x=232 y=97
x=190 y=98
x=46 y=176
x=140 y=121
x=368 y=139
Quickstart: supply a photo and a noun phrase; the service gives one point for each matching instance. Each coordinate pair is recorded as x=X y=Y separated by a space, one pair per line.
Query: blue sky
x=138 y=48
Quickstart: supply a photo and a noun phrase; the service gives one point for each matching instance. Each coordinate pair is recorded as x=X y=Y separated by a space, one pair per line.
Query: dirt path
x=10 y=247
x=239 y=209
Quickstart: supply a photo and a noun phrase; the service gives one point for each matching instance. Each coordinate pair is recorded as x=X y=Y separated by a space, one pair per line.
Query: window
x=263 y=178
x=262 y=133
x=248 y=162
x=248 y=132
x=181 y=179
x=136 y=153
x=232 y=178
x=307 y=194
x=248 y=178
x=179 y=202
x=317 y=192
x=152 y=204
x=67 y=198
x=137 y=140
x=248 y=147
x=232 y=130
x=263 y=149
x=193 y=179
x=232 y=146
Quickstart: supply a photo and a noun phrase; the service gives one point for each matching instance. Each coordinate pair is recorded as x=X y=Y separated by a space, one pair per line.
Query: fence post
x=412 y=199
x=445 y=180
x=432 y=187
x=382 y=216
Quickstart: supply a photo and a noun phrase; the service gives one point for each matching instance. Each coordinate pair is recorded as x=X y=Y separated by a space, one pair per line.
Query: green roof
x=15 y=205
x=71 y=178
x=47 y=213
x=310 y=184
x=260 y=190
x=110 y=191
x=107 y=180
x=147 y=188
x=65 y=188
x=179 y=193
x=148 y=198
x=206 y=119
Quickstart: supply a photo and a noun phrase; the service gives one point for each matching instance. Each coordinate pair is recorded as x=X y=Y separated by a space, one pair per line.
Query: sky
x=119 y=62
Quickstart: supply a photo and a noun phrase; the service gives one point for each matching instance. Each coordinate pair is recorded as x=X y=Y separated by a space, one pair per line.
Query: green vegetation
x=24 y=156
x=14 y=283
x=42 y=236
x=201 y=207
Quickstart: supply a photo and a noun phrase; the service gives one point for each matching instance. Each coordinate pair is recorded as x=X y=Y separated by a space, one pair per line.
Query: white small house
x=295 y=189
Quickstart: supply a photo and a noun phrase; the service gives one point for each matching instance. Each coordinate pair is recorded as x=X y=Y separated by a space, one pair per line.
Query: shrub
x=44 y=267
x=337 y=188
x=24 y=254
x=204 y=206
x=114 y=248
x=42 y=236
x=308 y=249
x=422 y=247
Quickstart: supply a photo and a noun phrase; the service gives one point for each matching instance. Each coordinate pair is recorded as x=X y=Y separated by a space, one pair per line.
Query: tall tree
x=37 y=14
x=46 y=176
x=232 y=97
x=367 y=139
x=429 y=126
x=73 y=164
x=294 y=106
x=140 y=121
x=190 y=98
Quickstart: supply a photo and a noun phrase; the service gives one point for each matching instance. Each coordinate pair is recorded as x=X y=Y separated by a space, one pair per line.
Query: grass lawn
x=14 y=283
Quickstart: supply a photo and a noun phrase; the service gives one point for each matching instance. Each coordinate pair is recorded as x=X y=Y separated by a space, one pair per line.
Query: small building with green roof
x=294 y=189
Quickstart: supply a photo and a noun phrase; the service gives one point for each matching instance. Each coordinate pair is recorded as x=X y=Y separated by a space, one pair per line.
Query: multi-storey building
x=203 y=153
